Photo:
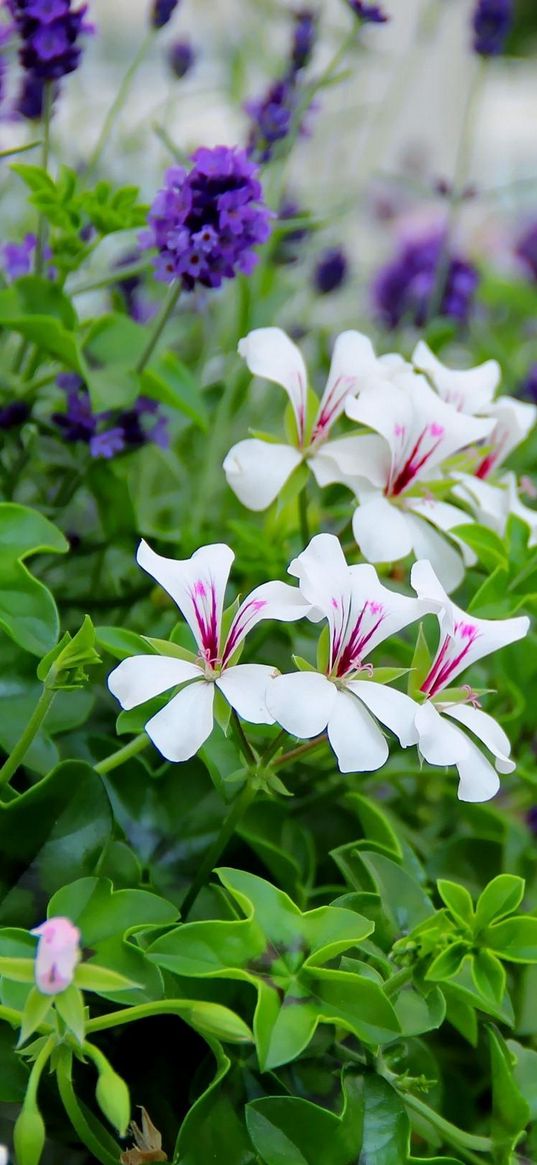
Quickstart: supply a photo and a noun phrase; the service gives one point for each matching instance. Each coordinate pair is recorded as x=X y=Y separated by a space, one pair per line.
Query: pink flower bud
x=58 y=952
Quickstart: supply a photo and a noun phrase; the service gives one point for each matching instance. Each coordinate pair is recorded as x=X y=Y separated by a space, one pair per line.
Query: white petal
x=353 y=360
x=257 y=470
x=470 y=390
x=382 y=530
x=180 y=729
x=358 y=743
x=429 y=588
x=440 y=743
x=444 y=516
x=478 y=780
x=391 y=707
x=272 y=600
x=270 y=353
x=301 y=702
x=487 y=730
x=351 y=459
x=245 y=688
x=141 y=677
x=197 y=585
x=444 y=558
x=384 y=408
x=489 y=503
x=514 y=420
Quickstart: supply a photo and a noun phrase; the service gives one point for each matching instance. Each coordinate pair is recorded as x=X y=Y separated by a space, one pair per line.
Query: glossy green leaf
x=386 y=1126
x=489 y=975
x=502 y=896
x=288 y=1130
x=28 y=612
x=458 y=901
x=510 y=1111
x=515 y=939
x=70 y=1006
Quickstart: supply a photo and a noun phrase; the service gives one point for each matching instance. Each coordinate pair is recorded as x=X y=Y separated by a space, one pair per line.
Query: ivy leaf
x=288 y=1130
x=28 y=612
x=458 y=901
x=510 y=1111
x=502 y=896
x=386 y=1125
x=515 y=939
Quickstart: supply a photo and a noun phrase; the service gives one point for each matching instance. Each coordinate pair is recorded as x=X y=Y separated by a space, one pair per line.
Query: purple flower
x=531 y=820
x=14 y=414
x=108 y=433
x=526 y=249
x=368 y=13
x=272 y=118
x=17 y=258
x=528 y=388
x=30 y=100
x=304 y=35
x=404 y=290
x=491 y=24
x=162 y=11
x=107 y=443
x=205 y=222
x=330 y=271
x=181 y=57
x=49 y=32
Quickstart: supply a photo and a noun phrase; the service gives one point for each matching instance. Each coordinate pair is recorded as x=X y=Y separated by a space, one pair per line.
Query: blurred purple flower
x=107 y=443
x=528 y=388
x=368 y=13
x=14 y=414
x=181 y=57
x=404 y=290
x=49 y=31
x=304 y=35
x=111 y=432
x=162 y=11
x=271 y=118
x=526 y=249
x=31 y=96
x=17 y=258
x=330 y=271
x=205 y=222
x=491 y=22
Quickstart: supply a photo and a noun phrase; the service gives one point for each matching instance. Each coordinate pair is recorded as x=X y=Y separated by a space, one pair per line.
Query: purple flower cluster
x=491 y=24
x=368 y=13
x=205 y=222
x=404 y=290
x=181 y=57
x=49 y=32
x=17 y=259
x=526 y=249
x=112 y=432
x=162 y=11
x=272 y=114
x=330 y=271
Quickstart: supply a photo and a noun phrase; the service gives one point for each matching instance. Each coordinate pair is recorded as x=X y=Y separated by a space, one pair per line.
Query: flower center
x=453 y=651
x=407 y=463
x=203 y=599
x=331 y=408
x=351 y=644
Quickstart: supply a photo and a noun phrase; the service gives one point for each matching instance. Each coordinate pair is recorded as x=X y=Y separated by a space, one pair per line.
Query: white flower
x=472 y=391
x=257 y=470
x=463 y=640
x=361 y=613
x=493 y=504
x=417 y=433
x=198 y=585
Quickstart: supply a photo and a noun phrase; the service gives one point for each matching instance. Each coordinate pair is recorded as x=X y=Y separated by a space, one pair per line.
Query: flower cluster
x=345 y=698
x=206 y=221
x=112 y=432
x=491 y=22
x=368 y=13
x=418 y=417
x=50 y=32
x=272 y=115
x=405 y=289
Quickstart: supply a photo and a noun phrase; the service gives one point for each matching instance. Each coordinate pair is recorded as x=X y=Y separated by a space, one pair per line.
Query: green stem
x=37 y=1071
x=302 y=750
x=122 y=755
x=17 y=755
x=237 y=811
x=118 y=103
x=303 y=516
x=75 y=1113
x=272 y=748
x=11 y=1016
x=112 y=277
x=452 y=1134
x=244 y=743
x=48 y=94
x=19 y=149
x=393 y=985
x=159 y=325
x=177 y=1007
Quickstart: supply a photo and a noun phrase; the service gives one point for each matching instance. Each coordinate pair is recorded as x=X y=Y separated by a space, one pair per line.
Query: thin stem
x=452 y=1134
x=249 y=754
x=118 y=103
x=393 y=985
x=272 y=748
x=177 y=1007
x=237 y=811
x=37 y=1071
x=75 y=1113
x=303 y=516
x=302 y=750
x=48 y=94
x=17 y=755
x=19 y=149
x=122 y=755
x=112 y=277
x=158 y=328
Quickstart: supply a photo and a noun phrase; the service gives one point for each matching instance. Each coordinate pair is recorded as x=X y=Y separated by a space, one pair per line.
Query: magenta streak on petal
x=240 y=626
x=331 y=407
x=337 y=632
x=493 y=455
x=452 y=652
x=368 y=621
x=418 y=457
x=207 y=618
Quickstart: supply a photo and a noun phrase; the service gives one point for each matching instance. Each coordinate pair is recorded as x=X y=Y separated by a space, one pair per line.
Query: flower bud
x=29 y=1135
x=58 y=953
x=113 y=1099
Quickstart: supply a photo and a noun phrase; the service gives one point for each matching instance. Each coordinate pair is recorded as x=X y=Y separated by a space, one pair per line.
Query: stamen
x=451 y=654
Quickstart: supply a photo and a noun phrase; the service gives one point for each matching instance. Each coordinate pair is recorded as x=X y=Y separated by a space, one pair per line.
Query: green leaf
x=212 y=1130
x=418 y=1013
x=486 y=544
x=510 y=1111
x=36 y=1010
x=113 y=345
x=515 y=939
x=375 y=822
x=458 y=901
x=288 y=1130
x=524 y=1068
x=70 y=1006
x=28 y=612
x=421 y=663
x=502 y=896
x=489 y=975
x=19 y=970
x=447 y=963
x=169 y=381
x=36 y=309
x=355 y=1002
x=386 y=1126
x=91 y=977
x=64 y=666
